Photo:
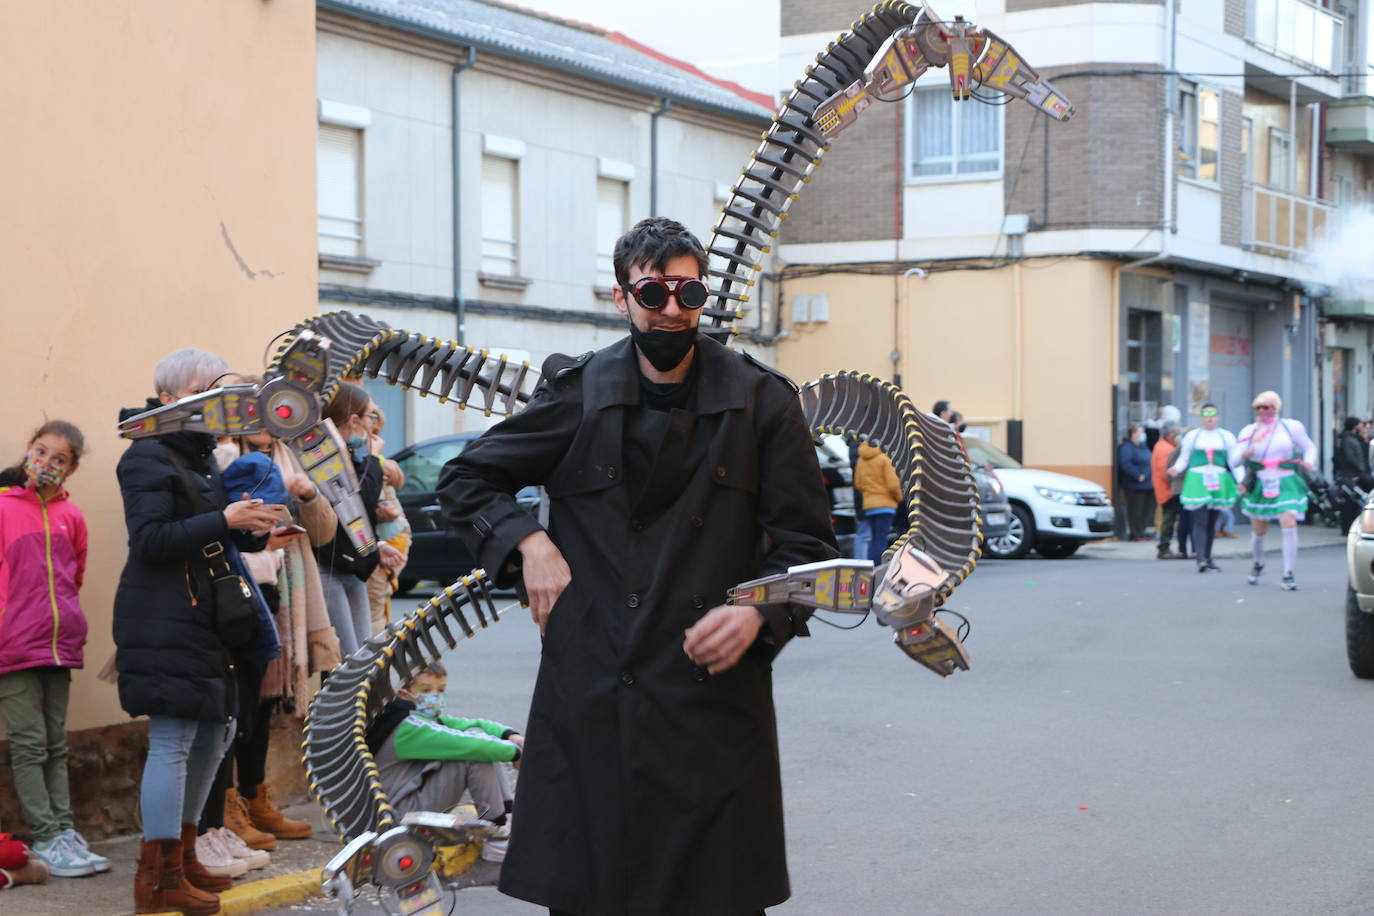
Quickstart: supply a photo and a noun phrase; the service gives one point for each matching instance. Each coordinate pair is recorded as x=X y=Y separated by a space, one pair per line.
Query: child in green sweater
x=427 y=760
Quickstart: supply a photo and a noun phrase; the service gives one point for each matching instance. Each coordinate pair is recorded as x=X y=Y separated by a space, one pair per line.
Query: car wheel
x=1016 y=543
x=1359 y=637
x=1057 y=550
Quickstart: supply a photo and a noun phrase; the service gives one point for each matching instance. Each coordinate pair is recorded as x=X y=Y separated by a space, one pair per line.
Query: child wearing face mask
x=427 y=759
x=42 y=634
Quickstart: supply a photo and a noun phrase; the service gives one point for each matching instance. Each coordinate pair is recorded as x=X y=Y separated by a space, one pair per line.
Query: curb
x=265 y=893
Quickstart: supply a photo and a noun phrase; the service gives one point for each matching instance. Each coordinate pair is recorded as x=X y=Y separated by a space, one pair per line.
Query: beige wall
x=957 y=337
x=158 y=169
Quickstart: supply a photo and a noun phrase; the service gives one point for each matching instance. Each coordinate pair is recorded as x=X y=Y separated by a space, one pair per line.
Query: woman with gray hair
x=173 y=665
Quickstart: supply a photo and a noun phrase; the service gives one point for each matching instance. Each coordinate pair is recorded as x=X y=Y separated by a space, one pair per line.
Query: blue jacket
x=1133 y=467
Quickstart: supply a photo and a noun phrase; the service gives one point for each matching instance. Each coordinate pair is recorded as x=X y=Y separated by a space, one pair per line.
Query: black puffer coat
x=170 y=658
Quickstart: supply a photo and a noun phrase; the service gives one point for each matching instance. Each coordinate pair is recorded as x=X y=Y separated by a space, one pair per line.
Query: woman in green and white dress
x=1274 y=448
x=1209 y=480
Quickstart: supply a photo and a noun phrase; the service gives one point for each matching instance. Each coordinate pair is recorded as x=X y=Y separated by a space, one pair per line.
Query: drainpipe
x=653 y=155
x=459 y=306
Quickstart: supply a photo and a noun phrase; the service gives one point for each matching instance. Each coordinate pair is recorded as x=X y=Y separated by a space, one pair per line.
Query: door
x=1231 y=373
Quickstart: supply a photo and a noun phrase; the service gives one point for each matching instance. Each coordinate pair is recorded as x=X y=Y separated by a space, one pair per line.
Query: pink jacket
x=42 y=563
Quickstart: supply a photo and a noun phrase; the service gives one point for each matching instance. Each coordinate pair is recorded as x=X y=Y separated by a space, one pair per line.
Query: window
x=1280 y=153
x=612 y=208
x=1247 y=133
x=338 y=190
x=500 y=225
x=948 y=139
x=1199 y=132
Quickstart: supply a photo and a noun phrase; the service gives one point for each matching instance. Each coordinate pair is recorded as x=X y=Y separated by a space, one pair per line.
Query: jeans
x=350 y=611
x=879 y=522
x=34 y=702
x=183 y=757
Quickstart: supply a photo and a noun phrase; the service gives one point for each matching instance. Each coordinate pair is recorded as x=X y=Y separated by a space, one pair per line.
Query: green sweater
x=450 y=738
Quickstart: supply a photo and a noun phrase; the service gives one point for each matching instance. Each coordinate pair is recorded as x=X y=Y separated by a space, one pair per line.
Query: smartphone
x=290 y=529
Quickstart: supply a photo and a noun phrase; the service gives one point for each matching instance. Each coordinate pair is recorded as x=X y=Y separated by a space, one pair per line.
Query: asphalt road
x=1134 y=738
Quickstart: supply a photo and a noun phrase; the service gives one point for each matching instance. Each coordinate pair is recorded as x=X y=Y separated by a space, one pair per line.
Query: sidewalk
x=1309 y=537
x=293 y=876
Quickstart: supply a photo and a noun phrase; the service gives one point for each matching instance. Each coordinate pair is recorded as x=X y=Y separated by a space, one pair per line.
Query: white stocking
x=1290 y=550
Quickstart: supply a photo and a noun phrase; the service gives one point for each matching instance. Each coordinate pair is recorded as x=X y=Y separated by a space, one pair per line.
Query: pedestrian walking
x=1209 y=481
x=1273 y=449
x=42 y=638
x=676 y=468
x=876 y=479
x=1166 y=492
x=1133 y=480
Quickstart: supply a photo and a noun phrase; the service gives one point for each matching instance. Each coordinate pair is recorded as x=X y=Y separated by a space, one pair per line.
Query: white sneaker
x=494 y=850
x=253 y=858
x=97 y=861
x=63 y=858
x=216 y=859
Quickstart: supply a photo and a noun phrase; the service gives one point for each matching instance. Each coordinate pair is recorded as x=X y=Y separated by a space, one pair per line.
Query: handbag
x=233 y=606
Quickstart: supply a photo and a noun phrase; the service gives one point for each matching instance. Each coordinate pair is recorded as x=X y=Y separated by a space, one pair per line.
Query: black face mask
x=665 y=350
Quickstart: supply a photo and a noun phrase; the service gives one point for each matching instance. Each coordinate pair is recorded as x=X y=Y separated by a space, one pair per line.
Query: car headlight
x=1059 y=496
x=1366 y=523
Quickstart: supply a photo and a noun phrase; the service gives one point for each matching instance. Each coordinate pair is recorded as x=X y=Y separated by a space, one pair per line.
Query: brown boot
x=160 y=884
x=236 y=819
x=195 y=872
x=263 y=812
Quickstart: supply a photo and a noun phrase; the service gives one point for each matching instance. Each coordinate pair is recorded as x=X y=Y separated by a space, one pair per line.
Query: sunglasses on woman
x=654 y=292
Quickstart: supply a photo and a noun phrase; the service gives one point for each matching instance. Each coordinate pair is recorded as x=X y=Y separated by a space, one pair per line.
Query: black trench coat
x=647 y=786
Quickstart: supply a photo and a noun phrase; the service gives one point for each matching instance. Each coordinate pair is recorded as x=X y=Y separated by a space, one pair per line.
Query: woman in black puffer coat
x=172 y=665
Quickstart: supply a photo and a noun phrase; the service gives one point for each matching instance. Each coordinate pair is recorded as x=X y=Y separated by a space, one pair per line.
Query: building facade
x=566 y=135
x=1171 y=244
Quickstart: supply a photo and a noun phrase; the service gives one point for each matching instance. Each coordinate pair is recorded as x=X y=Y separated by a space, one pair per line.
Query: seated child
x=426 y=759
x=18 y=864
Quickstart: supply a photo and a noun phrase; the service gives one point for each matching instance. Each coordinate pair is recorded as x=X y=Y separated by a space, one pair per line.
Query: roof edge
x=344 y=8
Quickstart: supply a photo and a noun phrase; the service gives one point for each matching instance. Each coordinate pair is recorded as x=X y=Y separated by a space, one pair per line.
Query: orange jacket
x=1159 y=465
x=876 y=479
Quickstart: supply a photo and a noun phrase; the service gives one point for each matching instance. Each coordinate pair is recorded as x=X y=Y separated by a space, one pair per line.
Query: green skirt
x=1208 y=486
x=1291 y=497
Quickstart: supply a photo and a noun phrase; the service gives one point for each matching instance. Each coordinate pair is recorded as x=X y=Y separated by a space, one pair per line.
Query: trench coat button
x=698 y=673
x=632 y=601
x=636 y=525
x=627 y=678
x=612 y=473
x=720 y=470
x=696 y=521
x=698 y=602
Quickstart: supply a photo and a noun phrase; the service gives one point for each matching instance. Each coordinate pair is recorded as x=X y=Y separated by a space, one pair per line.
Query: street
x=1133 y=738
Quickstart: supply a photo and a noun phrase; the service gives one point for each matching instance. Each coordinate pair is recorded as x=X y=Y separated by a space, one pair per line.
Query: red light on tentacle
x=284 y=412
x=405 y=862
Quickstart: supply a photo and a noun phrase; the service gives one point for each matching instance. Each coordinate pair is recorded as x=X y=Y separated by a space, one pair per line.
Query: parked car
x=996 y=508
x=1359 y=594
x=436 y=552
x=1053 y=513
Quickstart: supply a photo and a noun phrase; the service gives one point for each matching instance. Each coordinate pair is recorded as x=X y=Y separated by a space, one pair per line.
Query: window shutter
x=338 y=195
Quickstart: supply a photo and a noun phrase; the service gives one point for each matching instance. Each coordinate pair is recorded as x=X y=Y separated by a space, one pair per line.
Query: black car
x=436 y=552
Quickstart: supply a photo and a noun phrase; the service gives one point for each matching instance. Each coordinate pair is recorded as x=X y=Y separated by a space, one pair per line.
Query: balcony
x=1298 y=31
x=1281 y=223
x=1350 y=124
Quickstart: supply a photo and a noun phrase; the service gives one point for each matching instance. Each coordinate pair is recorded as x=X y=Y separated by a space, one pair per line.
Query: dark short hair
x=1351 y=423
x=653 y=242
x=1210 y=405
x=940 y=407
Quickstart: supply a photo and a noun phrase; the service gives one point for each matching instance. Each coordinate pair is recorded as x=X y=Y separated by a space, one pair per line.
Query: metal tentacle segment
x=339 y=767
x=789 y=150
x=461 y=375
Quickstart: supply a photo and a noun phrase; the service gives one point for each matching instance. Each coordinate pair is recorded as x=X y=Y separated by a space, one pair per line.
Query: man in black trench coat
x=676 y=468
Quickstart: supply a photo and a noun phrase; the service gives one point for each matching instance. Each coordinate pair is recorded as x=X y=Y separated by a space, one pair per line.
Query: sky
x=731 y=39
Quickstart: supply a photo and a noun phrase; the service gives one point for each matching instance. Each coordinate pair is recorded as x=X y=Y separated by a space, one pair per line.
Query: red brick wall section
x=802 y=17
x=1233 y=18
x=105 y=768
x=1232 y=167
x=1099 y=169
x=853 y=194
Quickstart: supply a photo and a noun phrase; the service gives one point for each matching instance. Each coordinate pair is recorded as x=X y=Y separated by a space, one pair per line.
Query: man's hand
x=299 y=486
x=546 y=575
x=391 y=557
x=718 y=639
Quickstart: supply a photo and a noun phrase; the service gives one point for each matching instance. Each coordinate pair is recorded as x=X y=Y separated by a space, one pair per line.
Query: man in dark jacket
x=676 y=468
x=1350 y=465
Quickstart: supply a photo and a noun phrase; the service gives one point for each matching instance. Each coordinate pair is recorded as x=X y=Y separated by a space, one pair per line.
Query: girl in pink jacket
x=42 y=632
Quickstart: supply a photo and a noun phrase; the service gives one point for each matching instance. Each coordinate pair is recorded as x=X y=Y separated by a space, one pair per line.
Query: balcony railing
x=1281 y=223
x=1298 y=30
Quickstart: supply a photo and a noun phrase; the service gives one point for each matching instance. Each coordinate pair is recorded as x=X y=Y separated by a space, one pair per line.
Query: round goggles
x=654 y=292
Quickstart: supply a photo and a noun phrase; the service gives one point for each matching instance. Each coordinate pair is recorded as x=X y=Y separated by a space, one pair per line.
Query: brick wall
x=801 y=17
x=1232 y=167
x=1101 y=168
x=1015 y=6
x=853 y=194
x=1233 y=18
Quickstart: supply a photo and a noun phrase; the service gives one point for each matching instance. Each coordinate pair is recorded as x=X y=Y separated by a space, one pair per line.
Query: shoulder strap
x=214 y=549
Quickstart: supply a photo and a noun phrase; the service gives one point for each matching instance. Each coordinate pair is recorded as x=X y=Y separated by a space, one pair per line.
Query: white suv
x=1054 y=513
